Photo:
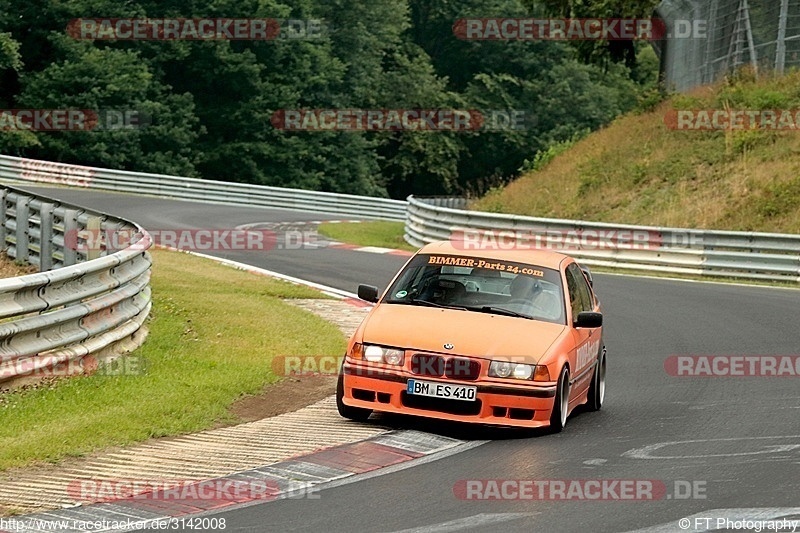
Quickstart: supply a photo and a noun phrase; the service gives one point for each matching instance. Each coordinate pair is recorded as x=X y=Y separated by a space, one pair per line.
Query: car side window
x=583 y=289
x=574 y=296
x=579 y=294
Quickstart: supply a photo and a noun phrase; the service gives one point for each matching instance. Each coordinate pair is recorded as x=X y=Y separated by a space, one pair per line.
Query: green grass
x=213 y=333
x=384 y=234
x=637 y=171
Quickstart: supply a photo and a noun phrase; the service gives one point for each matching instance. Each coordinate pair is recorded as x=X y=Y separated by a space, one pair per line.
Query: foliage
x=639 y=171
x=207 y=105
x=544 y=157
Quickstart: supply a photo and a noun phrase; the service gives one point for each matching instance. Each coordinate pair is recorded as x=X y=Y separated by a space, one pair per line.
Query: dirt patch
x=7 y=388
x=290 y=394
x=10 y=268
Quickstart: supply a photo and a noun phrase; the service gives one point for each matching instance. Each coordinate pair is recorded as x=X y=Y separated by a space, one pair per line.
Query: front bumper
x=500 y=404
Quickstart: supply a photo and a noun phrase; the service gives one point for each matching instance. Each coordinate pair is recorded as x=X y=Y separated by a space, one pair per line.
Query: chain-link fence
x=710 y=38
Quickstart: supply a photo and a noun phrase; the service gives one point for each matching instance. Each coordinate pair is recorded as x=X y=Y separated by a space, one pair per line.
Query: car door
x=587 y=340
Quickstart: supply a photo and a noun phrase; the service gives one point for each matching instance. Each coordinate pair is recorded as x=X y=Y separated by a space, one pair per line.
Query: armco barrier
x=17 y=170
x=745 y=255
x=85 y=301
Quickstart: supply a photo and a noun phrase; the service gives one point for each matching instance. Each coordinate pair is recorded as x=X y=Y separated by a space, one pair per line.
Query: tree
x=87 y=77
x=541 y=81
x=12 y=141
x=601 y=52
x=211 y=103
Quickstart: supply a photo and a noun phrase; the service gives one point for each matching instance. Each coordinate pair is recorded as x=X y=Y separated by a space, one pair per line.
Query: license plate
x=434 y=389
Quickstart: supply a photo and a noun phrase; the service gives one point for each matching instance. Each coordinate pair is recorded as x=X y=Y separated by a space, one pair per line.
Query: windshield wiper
x=426 y=303
x=418 y=301
x=499 y=311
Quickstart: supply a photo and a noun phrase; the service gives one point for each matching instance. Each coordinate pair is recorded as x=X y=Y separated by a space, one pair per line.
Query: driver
x=524 y=289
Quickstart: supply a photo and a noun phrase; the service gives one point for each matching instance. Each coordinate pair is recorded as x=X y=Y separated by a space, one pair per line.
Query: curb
x=292 y=478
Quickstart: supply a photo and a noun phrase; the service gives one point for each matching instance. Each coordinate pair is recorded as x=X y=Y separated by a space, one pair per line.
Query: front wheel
x=597 y=390
x=358 y=414
x=561 y=404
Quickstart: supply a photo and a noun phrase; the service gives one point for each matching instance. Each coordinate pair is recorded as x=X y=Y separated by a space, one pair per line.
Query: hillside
x=639 y=171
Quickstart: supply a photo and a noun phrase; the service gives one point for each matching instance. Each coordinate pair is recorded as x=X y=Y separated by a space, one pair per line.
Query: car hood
x=471 y=333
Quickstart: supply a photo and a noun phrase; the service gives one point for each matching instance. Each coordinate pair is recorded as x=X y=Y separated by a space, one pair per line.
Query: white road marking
x=374 y=250
x=477 y=521
x=330 y=291
x=646 y=451
x=707 y=520
x=322 y=241
x=595 y=462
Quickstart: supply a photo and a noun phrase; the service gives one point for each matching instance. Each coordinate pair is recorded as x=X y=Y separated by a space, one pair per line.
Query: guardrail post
x=3 y=243
x=94 y=249
x=46 y=237
x=116 y=238
x=23 y=224
x=70 y=236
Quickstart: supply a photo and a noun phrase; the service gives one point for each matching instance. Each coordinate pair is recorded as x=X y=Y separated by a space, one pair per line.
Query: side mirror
x=368 y=293
x=588 y=319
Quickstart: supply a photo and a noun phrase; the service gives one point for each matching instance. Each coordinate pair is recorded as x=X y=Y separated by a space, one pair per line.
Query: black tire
x=597 y=390
x=558 y=419
x=353 y=413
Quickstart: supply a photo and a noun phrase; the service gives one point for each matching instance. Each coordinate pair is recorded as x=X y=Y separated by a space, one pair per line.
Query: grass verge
x=638 y=171
x=384 y=234
x=213 y=333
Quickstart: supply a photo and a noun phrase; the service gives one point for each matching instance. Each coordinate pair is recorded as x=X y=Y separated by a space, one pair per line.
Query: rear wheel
x=561 y=404
x=358 y=414
x=597 y=390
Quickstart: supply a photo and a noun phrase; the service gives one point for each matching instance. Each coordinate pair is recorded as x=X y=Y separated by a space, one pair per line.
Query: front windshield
x=481 y=285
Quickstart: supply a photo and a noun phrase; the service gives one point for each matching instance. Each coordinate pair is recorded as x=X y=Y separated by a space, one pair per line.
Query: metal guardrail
x=744 y=255
x=86 y=300
x=17 y=170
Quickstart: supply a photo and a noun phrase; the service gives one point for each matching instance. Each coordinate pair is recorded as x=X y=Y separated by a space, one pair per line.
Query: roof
x=537 y=257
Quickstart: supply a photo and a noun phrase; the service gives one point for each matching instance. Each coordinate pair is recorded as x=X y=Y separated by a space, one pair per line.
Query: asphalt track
x=743 y=449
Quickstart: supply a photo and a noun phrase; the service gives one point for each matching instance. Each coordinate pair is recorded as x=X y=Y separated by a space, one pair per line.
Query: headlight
x=507 y=369
x=500 y=369
x=380 y=354
x=522 y=371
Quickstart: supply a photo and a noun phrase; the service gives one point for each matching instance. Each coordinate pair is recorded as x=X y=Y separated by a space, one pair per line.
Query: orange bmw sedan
x=500 y=337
